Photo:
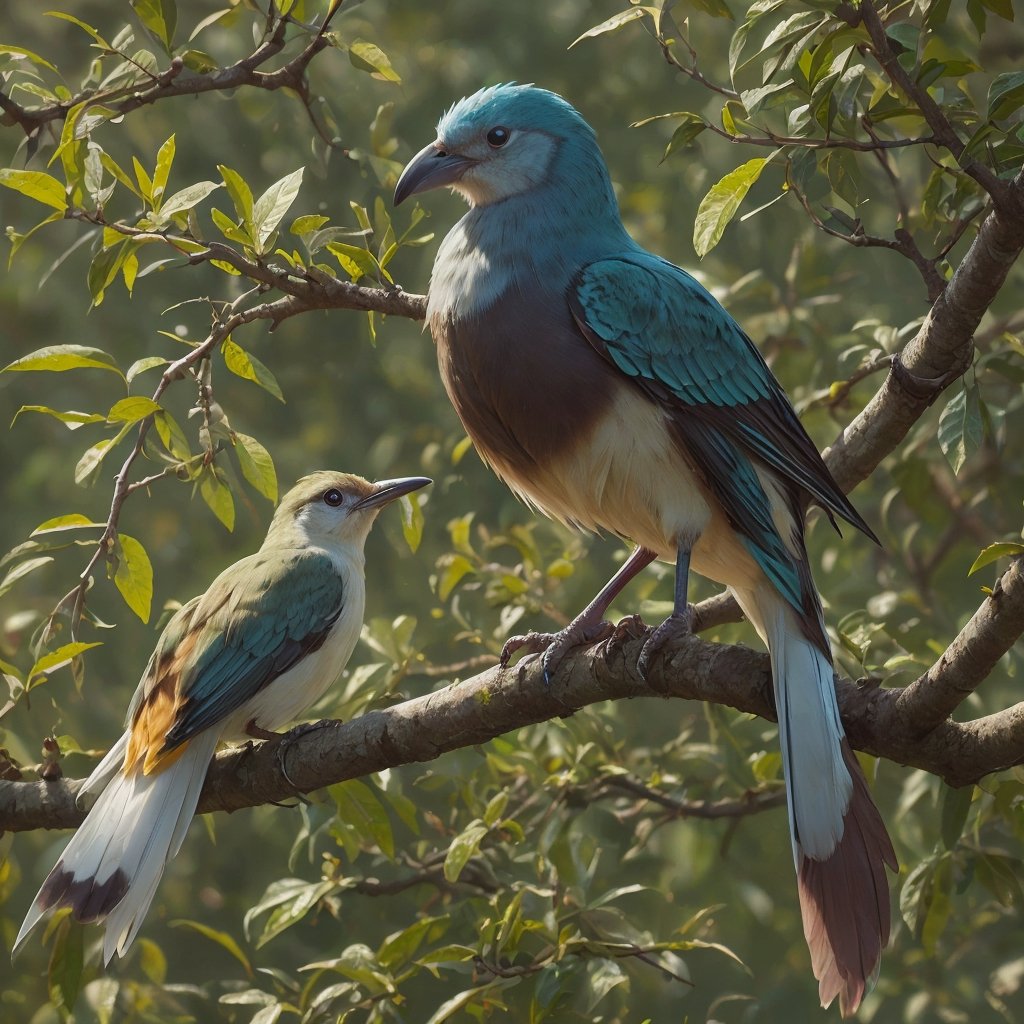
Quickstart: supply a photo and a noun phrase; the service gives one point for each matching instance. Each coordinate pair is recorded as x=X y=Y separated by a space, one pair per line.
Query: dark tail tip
x=88 y=899
x=845 y=901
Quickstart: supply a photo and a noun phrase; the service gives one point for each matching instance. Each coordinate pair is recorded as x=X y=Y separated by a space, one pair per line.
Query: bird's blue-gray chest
x=522 y=378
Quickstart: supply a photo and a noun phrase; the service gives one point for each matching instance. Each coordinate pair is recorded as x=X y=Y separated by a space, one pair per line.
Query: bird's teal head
x=328 y=508
x=500 y=142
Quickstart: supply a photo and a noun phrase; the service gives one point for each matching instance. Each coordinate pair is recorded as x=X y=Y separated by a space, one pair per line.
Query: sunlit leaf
x=57 y=659
x=134 y=575
x=247 y=366
x=38 y=185
x=72 y=521
x=222 y=939
x=719 y=206
x=256 y=464
x=21 y=570
x=462 y=847
x=270 y=208
x=615 y=22
x=370 y=57
x=57 y=358
x=1005 y=549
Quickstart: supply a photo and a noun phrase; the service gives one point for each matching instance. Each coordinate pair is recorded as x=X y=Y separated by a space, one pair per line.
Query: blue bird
x=611 y=391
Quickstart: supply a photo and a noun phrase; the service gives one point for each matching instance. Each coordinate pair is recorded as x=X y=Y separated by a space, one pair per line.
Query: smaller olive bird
x=272 y=633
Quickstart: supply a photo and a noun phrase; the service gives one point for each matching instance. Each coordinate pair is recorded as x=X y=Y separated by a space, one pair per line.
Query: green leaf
x=88 y=466
x=256 y=464
x=144 y=364
x=187 y=199
x=1005 y=549
x=19 y=52
x=134 y=575
x=614 y=23
x=247 y=366
x=271 y=207
x=354 y=260
x=960 y=427
x=956 y=803
x=463 y=846
x=241 y=195
x=159 y=16
x=172 y=436
x=222 y=939
x=65 y=970
x=359 y=808
x=82 y=25
x=72 y=419
x=162 y=171
x=370 y=57
x=217 y=496
x=291 y=899
x=1005 y=95
x=57 y=358
x=72 y=521
x=400 y=947
x=57 y=659
x=38 y=185
x=412 y=520
x=719 y=206
x=454 y=570
x=21 y=570
x=132 y=409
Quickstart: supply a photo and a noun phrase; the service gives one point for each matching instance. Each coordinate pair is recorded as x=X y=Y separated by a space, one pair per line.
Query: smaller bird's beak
x=385 y=491
x=432 y=167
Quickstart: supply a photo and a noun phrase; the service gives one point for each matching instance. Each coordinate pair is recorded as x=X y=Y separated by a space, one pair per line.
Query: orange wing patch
x=157 y=714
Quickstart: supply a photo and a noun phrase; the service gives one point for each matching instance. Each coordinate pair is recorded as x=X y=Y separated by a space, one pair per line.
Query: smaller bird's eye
x=497 y=137
x=333 y=497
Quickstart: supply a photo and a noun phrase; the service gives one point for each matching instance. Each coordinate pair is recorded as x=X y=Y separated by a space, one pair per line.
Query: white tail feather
x=110 y=869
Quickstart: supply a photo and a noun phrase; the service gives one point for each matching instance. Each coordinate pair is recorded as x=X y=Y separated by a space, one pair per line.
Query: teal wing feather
x=258 y=619
x=659 y=326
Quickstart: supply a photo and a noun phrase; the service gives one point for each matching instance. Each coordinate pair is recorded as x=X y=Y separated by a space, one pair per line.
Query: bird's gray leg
x=588 y=627
x=680 y=622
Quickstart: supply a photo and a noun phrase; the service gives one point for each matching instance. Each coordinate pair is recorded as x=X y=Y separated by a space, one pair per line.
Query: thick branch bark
x=968 y=660
x=497 y=701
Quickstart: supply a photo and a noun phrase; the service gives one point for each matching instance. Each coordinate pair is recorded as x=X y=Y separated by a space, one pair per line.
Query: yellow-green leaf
x=62 y=656
x=217 y=495
x=412 y=520
x=38 y=185
x=257 y=465
x=464 y=845
x=134 y=576
x=370 y=57
x=57 y=358
x=71 y=419
x=456 y=568
x=21 y=570
x=222 y=939
x=132 y=409
x=247 y=366
x=72 y=521
x=1006 y=549
x=719 y=206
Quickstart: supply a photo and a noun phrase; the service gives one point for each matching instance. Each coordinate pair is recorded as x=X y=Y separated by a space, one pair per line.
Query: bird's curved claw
x=677 y=624
x=296 y=732
x=556 y=646
x=626 y=629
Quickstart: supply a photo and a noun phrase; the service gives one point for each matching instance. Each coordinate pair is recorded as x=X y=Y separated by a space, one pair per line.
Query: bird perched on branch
x=272 y=633
x=613 y=392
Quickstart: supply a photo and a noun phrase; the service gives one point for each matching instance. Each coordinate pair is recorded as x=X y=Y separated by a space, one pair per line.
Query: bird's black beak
x=385 y=491
x=432 y=167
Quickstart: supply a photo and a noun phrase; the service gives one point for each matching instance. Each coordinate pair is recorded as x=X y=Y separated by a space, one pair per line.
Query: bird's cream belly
x=285 y=699
x=628 y=477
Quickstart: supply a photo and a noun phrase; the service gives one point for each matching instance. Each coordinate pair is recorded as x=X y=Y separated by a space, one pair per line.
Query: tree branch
x=994 y=628
x=499 y=700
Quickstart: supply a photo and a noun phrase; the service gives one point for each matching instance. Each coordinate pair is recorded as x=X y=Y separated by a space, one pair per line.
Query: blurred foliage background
x=339 y=910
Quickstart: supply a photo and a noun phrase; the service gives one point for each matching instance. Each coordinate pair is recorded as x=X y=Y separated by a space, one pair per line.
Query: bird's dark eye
x=497 y=137
x=333 y=497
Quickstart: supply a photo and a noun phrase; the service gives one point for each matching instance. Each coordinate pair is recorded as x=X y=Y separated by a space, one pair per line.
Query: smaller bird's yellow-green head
x=330 y=508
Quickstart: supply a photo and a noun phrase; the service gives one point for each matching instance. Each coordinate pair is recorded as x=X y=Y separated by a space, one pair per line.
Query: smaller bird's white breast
x=285 y=699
